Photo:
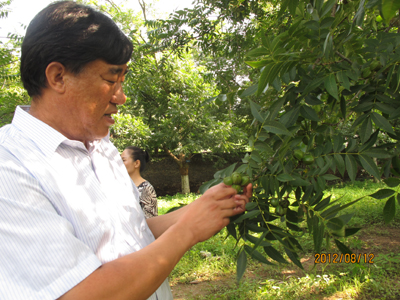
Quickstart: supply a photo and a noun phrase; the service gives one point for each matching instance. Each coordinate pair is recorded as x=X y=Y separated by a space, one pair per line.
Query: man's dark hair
x=139 y=154
x=73 y=35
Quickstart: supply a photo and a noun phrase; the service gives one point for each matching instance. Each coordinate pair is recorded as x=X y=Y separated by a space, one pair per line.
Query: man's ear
x=55 y=73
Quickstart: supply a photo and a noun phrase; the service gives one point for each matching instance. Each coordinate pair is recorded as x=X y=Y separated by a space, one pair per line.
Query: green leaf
x=257 y=52
x=293 y=258
x=263 y=147
x=389 y=8
x=257 y=255
x=260 y=63
x=381 y=122
x=249 y=91
x=337 y=143
x=274 y=254
x=351 y=231
x=241 y=265
x=382 y=194
x=268 y=75
x=366 y=130
x=335 y=224
x=372 y=140
x=318 y=234
x=284 y=177
x=255 y=108
x=343 y=107
x=209 y=184
x=392 y=182
x=343 y=79
x=327 y=7
x=251 y=205
x=225 y=172
x=330 y=177
x=247 y=215
x=339 y=163
x=293 y=6
x=331 y=86
x=342 y=247
x=232 y=230
x=324 y=203
x=351 y=167
x=309 y=113
x=378 y=153
x=328 y=46
x=276 y=127
x=336 y=208
x=389 y=210
x=315 y=83
x=369 y=165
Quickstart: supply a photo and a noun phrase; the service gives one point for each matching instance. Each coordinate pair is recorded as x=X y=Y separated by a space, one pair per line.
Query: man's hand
x=211 y=212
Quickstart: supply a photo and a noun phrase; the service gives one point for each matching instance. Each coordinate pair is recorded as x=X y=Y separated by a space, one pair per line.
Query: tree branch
x=344 y=57
x=143 y=6
x=172 y=155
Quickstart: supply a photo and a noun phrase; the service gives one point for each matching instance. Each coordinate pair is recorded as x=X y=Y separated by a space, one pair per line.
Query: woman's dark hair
x=73 y=35
x=139 y=154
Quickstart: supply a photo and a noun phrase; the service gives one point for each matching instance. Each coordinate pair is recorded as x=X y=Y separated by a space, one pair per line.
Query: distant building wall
x=163 y=172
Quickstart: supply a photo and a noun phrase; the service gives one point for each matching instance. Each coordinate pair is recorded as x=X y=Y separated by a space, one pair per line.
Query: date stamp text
x=337 y=258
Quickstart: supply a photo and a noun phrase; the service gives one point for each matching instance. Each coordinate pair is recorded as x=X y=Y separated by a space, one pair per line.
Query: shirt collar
x=44 y=136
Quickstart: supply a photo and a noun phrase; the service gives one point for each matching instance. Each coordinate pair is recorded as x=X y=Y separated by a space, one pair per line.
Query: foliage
x=11 y=92
x=348 y=281
x=129 y=131
x=326 y=87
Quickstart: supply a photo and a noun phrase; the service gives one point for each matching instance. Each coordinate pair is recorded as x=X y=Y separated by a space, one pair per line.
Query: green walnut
x=375 y=65
x=237 y=187
x=236 y=178
x=280 y=211
x=308 y=159
x=237 y=181
x=228 y=180
x=366 y=72
x=298 y=154
x=245 y=180
x=274 y=202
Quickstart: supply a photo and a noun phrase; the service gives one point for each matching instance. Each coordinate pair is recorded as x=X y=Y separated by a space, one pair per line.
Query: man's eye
x=110 y=81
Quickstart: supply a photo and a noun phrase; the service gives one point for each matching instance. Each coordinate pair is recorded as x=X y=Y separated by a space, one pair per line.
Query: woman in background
x=135 y=160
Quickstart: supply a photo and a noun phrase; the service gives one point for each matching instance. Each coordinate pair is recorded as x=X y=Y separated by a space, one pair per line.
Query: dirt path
x=375 y=241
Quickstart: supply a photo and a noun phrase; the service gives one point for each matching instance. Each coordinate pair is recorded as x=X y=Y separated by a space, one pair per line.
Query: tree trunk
x=185 y=184
x=183 y=163
x=184 y=170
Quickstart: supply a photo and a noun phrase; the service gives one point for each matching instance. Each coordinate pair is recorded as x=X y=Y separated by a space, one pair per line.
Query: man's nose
x=119 y=96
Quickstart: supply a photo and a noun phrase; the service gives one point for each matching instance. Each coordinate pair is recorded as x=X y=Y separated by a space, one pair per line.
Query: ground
x=378 y=241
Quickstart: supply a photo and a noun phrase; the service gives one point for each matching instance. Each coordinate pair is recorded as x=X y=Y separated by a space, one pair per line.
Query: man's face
x=93 y=96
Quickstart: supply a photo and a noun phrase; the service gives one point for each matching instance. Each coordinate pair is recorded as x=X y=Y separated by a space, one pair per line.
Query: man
x=71 y=226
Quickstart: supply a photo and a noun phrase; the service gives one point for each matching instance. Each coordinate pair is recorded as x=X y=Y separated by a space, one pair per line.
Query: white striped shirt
x=64 y=211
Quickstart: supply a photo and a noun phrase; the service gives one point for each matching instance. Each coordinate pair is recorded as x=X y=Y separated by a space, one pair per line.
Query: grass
x=214 y=261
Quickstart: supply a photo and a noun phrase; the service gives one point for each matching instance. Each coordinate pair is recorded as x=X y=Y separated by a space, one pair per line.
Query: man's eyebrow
x=117 y=71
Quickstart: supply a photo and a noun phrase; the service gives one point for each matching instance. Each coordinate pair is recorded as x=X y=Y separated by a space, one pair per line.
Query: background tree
x=173 y=97
x=11 y=92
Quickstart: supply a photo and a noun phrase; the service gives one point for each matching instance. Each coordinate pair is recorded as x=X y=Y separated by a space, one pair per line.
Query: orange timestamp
x=336 y=258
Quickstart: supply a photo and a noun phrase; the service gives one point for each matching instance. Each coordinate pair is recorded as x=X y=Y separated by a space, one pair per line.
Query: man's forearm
x=158 y=225
x=137 y=275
